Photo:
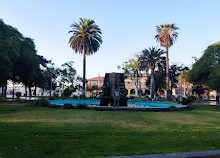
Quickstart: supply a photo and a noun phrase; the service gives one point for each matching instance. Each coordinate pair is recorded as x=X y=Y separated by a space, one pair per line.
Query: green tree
x=166 y=35
x=86 y=40
x=149 y=60
x=132 y=70
x=206 y=70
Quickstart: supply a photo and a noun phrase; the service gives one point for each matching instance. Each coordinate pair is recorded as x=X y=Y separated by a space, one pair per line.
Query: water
x=130 y=103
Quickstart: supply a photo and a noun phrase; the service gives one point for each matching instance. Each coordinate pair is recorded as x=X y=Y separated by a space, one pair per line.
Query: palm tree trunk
x=152 y=85
x=84 y=73
x=167 y=75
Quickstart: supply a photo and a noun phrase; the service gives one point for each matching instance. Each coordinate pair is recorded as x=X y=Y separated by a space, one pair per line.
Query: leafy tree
x=166 y=35
x=176 y=73
x=198 y=89
x=131 y=70
x=95 y=87
x=149 y=60
x=206 y=70
x=86 y=40
x=27 y=64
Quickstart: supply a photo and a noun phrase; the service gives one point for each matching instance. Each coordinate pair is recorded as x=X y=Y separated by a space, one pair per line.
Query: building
x=130 y=85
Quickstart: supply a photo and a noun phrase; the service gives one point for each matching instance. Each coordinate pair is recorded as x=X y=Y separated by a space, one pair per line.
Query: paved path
x=206 y=103
x=198 y=154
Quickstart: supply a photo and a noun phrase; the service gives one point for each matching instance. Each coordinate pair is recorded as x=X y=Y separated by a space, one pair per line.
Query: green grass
x=33 y=132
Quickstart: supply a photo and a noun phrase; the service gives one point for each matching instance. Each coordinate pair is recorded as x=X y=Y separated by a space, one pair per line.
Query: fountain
x=111 y=82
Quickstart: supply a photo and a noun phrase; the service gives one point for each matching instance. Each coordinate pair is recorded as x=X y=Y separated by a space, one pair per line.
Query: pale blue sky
x=128 y=27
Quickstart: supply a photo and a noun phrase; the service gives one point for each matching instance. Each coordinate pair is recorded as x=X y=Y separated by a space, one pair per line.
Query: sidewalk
x=198 y=154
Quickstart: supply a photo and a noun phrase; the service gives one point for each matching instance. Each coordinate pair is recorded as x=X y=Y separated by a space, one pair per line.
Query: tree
x=178 y=73
x=149 y=60
x=86 y=40
x=206 y=70
x=131 y=70
x=166 y=35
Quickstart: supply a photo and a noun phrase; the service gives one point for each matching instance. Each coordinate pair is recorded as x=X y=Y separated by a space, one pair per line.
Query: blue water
x=135 y=103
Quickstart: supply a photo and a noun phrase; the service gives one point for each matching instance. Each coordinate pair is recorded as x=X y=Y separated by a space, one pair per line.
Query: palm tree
x=166 y=36
x=150 y=59
x=86 y=40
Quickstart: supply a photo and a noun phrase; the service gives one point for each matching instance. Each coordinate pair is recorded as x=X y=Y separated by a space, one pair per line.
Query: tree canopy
x=206 y=70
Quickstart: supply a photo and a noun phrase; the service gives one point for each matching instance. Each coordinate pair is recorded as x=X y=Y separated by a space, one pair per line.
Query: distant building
x=130 y=85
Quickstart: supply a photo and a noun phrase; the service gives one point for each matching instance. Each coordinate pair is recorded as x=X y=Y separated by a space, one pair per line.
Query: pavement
x=197 y=154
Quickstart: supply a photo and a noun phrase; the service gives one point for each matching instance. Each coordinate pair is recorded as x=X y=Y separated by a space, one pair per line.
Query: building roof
x=96 y=78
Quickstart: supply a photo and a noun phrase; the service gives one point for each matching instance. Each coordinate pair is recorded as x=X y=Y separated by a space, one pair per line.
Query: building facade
x=130 y=85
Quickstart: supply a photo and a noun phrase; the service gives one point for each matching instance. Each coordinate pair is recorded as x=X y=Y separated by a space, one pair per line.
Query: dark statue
x=111 y=82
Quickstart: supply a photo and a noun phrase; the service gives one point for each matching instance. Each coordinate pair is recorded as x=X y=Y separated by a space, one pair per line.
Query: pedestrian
x=217 y=99
x=116 y=97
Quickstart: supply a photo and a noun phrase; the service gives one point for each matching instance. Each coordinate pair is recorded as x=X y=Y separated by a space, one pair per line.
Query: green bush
x=54 y=106
x=56 y=95
x=52 y=98
x=81 y=106
x=192 y=98
x=18 y=94
x=42 y=102
x=67 y=92
x=68 y=106
x=172 y=108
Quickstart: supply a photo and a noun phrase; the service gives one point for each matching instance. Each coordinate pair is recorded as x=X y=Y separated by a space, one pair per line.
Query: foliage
x=81 y=106
x=54 y=106
x=42 y=102
x=198 y=89
x=86 y=40
x=68 y=106
x=67 y=92
x=206 y=70
x=67 y=75
x=149 y=60
x=172 y=108
x=192 y=98
x=18 y=59
x=132 y=70
x=18 y=94
x=166 y=34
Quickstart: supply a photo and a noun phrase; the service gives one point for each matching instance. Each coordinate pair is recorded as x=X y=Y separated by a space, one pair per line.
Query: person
x=116 y=97
x=217 y=99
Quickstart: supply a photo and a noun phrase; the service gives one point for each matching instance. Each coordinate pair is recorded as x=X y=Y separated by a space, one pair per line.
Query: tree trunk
x=152 y=85
x=2 y=91
x=35 y=90
x=5 y=90
x=84 y=73
x=13 y=92
x=26 y=91
x=30 y=94
x=167 y=75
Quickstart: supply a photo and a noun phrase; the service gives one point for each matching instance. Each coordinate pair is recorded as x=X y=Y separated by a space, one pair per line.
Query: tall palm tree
x=166 y=35
x=86 y=40
x=150 y=59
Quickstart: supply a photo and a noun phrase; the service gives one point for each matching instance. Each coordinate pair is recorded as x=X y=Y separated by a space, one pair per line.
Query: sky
x=128 y=27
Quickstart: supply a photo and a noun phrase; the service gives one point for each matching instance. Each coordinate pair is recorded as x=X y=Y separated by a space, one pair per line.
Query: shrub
x=18 y=94
x=56 y=95
x=192 y=98
x=54 y=106
x=52 y=98
x=81 y=106
x=67 y=92
x=172 y=108
x=68 y=106
x=42 y=102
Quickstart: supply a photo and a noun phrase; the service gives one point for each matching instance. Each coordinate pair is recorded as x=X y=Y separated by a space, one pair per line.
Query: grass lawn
x=38 y=132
